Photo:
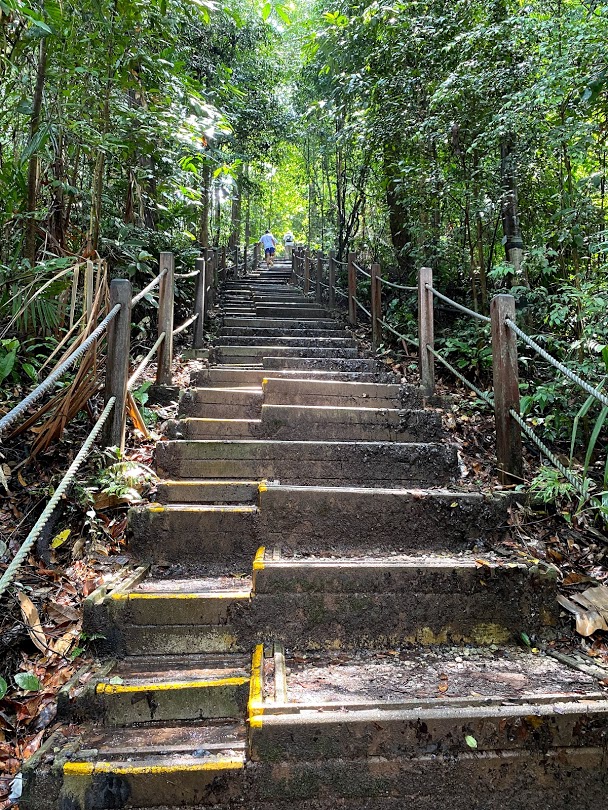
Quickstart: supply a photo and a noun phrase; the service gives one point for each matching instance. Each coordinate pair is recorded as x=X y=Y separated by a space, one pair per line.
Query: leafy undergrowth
x=42 y=644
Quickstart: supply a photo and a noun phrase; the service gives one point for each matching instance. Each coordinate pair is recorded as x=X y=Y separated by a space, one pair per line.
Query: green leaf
x=116 y=681
x=6 y=364
x=27 y=681
x=526 y=639
x=30 y=371
x=3 y=687
x=266 y=11
x=60 y=538
x=471 y=741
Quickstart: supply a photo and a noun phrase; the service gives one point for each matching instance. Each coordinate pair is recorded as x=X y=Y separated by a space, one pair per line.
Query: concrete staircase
x=318 y=618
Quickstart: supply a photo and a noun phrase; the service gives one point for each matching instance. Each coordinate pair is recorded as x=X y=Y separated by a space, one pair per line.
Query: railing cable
x=481 y=394
x=156 y=280
x=460 y=307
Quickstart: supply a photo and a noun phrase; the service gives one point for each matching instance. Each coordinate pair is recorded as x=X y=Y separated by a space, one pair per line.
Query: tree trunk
x=203 y=231
x=34 y=163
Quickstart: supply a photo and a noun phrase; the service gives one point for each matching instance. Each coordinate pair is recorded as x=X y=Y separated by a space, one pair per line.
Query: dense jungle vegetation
x=470 y=136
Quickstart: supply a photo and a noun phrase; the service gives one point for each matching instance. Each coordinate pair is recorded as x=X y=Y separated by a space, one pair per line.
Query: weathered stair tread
x=164 y=671
x=433 y=677
x=204 y=587
x=207 y=491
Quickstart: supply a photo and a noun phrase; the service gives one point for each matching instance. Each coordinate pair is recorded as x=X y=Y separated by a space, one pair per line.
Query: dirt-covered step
x=228 y=376
x=367 y=601
x=289 y=313
x=168 y=765
x=222 y=402
x=374 y=464
x=217 y=536
x=280 y=323
x=202 y=428
x=153 y=689
x=267 y=332
x=243 y=354
x=341 y=342
x=206 y=492
x=351 y=364
x=340 y=394
x=343 y=520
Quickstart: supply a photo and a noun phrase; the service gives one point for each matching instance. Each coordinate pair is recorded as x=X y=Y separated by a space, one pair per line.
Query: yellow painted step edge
x=160 y=595
x=119 y=688
x=90 y=768
x=255 y=706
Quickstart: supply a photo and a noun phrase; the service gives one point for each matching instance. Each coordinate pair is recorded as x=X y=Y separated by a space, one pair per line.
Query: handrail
x=594 y=392
x=466 y=310
x=481 y=394
x=398 y=334
x=186 y=275
x=156 y=280
x=142 y=366
x=398 y=286
x=44 y=386
x=185 y=325
x=48 y=510
x=360 y=305
x=361 y=270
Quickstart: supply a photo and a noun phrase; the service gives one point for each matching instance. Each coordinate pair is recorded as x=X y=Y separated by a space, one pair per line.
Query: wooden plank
x=280 y=675
x=506 y=390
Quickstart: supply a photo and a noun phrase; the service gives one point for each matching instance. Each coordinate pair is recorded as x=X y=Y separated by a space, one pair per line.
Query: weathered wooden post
x=352 y=288
x=376 y=308
x=426 y=331
x=307 y=263
x=209 y=276
x=256 y=255
x=165 y=319
x=245 y=250
x=199 y=304
x=117 y=362
x=318 y=276
x=223 y=263
x=506 y=390
x=235 y=260
x=331 y=280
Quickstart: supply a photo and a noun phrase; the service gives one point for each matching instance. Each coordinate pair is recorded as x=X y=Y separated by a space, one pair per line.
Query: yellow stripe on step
x=90 y=768
x=120 y=688
x=255 y=707
x=258 y=560
x=161 y=595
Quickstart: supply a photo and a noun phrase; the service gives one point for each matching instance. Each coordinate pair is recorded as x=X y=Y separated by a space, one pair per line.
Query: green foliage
x=27 y=681
x=549 y=486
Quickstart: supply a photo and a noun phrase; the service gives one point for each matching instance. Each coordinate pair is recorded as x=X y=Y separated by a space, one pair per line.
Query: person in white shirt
x=268 y=242
x=288 y=241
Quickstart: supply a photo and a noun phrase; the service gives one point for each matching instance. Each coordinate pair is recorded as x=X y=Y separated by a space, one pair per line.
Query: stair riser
x=341 y=342
x=262 y=334
x=281 y=312
x=219 y=540
x=175 y=640
x=166 y=705
x=390 y=465
x=309 y=621
x=188 y=609
x=242 y=354
x=222 y=377
x=211 y=404
x=342 y=521
x=197 y=492
x=322 y=364
x=279 y=323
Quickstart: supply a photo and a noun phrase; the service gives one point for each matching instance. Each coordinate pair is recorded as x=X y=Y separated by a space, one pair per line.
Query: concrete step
x=171 y=765
x=299 y=342
x=202 y=428
x=243 y=354
x=279 y=323
x=358 y=364
x=339 y=394
x=329 y=423
x=289 y=313
x=296 y=332
x=365 y=601
x=221 y=537
x=205 y=492
x=222 y=403
x=349 y=520
x=222 y=376
x=372 y=464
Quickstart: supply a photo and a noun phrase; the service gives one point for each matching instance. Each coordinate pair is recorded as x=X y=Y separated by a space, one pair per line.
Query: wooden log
x=426 y=331
x=318 y=275
x=376 y=308
x=199 y=305
x=352 y=288
x=307 y=262
x=89 y=279
x=506 y=390
x=117 y=363
x=165 y=320
x=331 y=281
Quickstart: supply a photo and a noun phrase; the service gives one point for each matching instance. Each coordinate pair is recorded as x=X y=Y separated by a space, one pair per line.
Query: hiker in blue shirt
x=268 y=242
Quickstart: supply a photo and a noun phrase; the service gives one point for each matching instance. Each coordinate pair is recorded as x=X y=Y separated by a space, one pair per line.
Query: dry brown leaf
x=32 y=619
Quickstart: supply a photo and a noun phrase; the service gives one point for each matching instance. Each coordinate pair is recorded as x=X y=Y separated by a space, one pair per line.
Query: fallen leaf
x=470 y=741
x=32 y=619
x=60 y=538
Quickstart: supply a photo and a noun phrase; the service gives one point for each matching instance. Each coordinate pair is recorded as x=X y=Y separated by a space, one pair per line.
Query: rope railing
x=55 y=375
x=186 y=275
x=396 y=333
x=145 y=362
x=185 y=325
x=360 y=305
x=155 y=282
x=594 y=392
x=21 y=555
x=361 y=270
x=481 y=394
x=470 y=312
x=396 y=286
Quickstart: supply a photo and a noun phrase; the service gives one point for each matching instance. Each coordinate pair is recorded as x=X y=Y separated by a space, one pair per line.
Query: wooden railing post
x=245 y=250
x=235 y=259
x=352 y=288
x=117 y=363
x=256 y=255
x=199 y=305
x=331 y=280
x=165 y=319
x=209 y=277
x=307 y=262
x=223 y=263
x=426 y=331
x=506 y=390
x=294 y=264
x=376 y=306
x=318 y=275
